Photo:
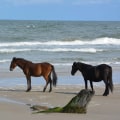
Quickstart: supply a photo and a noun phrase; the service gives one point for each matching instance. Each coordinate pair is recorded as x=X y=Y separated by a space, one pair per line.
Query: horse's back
x=39 y=69
x=98 y=73
x=104 y=67
x=45 y=67
x=103 y=70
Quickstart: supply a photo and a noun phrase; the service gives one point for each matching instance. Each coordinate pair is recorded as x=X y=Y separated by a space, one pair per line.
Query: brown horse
x=36 y=69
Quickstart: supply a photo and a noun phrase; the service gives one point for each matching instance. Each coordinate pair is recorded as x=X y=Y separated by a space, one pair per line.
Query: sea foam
x=98 y=41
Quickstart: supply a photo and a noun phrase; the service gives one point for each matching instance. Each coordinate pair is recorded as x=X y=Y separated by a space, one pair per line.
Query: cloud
x=93 y=2
x=66 y=2
x=31 y=2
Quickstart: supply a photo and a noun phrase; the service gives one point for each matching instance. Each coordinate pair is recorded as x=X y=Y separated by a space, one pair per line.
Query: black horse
x=95 y=74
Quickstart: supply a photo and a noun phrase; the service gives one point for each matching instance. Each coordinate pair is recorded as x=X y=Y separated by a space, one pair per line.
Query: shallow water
x=64 y=79
x=2 y=99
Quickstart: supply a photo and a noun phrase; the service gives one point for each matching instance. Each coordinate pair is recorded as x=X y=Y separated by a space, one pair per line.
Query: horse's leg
x=47 y=82
x=50 y=85
x=28 y=83
x=91 y=84
x=86 y=86
x=106 y=88
x=50 y=81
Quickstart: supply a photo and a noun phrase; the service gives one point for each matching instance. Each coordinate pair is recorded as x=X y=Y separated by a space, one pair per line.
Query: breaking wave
x=85 y=50
x=98 y=41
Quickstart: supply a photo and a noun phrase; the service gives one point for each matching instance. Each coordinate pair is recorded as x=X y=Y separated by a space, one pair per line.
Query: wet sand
x=15 y=103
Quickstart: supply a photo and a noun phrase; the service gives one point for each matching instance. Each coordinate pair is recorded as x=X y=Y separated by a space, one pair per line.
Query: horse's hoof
x=50 y=90
x=105 y=94
x=43 y=90
x=93 y=92
x=28 y=90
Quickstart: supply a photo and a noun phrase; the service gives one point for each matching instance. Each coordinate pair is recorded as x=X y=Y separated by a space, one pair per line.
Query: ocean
x=60 y=42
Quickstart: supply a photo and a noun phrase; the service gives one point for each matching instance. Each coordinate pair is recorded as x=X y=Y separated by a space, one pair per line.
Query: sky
x=77 y=10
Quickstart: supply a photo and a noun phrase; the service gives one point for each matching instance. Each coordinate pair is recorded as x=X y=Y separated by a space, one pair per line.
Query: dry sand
x=15 y=103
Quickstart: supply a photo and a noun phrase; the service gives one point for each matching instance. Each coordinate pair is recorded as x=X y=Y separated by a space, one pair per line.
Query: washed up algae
x=77 y=104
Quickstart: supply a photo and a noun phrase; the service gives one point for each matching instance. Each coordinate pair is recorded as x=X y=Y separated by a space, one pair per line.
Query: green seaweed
x=52 y=110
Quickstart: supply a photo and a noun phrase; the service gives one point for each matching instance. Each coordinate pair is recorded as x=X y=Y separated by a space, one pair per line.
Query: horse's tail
x=54 y=76
x=110 y=82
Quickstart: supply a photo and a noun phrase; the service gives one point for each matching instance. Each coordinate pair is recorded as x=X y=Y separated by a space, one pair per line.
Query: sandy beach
x=15 y=103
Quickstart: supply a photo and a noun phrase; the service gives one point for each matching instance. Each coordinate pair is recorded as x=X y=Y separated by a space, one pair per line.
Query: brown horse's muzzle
x=11 y=69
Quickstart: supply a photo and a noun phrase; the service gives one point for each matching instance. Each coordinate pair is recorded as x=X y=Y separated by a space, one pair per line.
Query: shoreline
x=17 y=77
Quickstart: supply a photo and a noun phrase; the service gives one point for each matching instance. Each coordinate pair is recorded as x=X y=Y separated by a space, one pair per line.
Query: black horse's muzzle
x=72 y=73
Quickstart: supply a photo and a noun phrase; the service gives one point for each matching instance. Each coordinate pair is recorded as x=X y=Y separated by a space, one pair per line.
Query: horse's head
x=74 y=68
x=13 y=64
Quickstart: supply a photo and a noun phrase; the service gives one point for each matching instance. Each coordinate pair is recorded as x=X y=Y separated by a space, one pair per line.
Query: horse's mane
x=84 y=65
x=22 y=59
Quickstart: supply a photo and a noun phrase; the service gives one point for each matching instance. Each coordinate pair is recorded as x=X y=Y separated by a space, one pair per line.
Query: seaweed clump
x=77 y=104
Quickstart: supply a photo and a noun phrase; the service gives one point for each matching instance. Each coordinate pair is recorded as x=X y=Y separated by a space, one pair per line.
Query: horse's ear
x=74 y=63
x=14 y=58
